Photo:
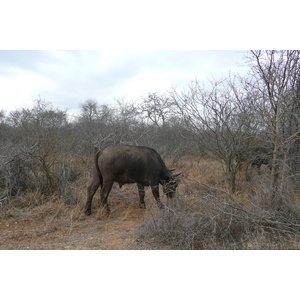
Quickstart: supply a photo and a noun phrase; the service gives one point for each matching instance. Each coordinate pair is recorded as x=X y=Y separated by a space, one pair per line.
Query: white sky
x=68 y=78
x=133 y=31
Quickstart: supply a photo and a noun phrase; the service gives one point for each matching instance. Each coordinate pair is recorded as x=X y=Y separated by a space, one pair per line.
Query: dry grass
x=205 y=215
x=202 y=216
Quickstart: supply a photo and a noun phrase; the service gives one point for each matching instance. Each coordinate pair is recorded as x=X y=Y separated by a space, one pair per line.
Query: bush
x=215 y=220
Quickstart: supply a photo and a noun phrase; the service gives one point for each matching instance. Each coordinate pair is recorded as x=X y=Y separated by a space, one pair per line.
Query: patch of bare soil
x=114 y=232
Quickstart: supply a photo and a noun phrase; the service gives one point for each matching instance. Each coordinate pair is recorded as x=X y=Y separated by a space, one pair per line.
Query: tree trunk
x=276 y=198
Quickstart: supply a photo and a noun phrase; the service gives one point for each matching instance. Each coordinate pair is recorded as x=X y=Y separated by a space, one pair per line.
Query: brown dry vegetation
x=202 y=216
x=209 y=131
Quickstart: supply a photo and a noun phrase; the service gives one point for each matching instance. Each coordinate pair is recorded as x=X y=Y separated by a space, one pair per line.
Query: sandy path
x=86 y=233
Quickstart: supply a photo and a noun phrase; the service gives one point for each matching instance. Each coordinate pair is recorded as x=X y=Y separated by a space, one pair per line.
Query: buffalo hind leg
x=155 y=192
x=141 y=190
x=93 y=187
x=104 y=196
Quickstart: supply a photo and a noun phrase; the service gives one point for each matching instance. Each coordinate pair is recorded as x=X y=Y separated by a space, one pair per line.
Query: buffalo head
x=170 y=184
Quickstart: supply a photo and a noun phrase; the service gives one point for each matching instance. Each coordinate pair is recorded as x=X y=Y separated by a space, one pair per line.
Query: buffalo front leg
x=155 y=192
x=141 y=190
x=90 y=194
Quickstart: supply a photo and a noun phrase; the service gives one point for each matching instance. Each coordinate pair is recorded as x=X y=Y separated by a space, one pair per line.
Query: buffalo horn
x=176 y=174
x=172 y=170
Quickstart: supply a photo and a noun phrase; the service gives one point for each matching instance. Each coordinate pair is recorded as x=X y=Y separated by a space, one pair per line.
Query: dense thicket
x=237 y=121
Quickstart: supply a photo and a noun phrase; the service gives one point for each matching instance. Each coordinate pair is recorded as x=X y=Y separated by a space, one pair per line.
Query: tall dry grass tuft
x=216 y=221
x=205 y=215
x=191 y=225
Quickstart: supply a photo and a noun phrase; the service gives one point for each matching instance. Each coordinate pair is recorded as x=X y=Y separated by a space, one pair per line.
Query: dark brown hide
x=130 y=164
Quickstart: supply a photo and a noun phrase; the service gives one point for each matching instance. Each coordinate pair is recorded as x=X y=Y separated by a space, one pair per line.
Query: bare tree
x=221 y=120
x=157 y=109
x=274 y=72
x=39 y=139
x=94 y=126
x=127 y=124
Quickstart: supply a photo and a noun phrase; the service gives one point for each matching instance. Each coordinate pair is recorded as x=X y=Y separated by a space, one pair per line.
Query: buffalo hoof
x=161 y=206
x=88 y=212
x=108 y=211
x=142 y=205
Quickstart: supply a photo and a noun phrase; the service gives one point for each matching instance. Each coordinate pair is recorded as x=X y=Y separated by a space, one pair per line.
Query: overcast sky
x=68 y=78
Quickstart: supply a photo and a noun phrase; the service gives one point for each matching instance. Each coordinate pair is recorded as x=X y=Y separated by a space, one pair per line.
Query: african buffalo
x=130 y=164
x=261 y=159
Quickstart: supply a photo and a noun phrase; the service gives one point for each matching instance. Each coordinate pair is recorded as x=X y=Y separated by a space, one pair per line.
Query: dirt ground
x=115 y=232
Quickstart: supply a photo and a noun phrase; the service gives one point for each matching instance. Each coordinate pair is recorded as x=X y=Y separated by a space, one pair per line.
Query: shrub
x=215 y=220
